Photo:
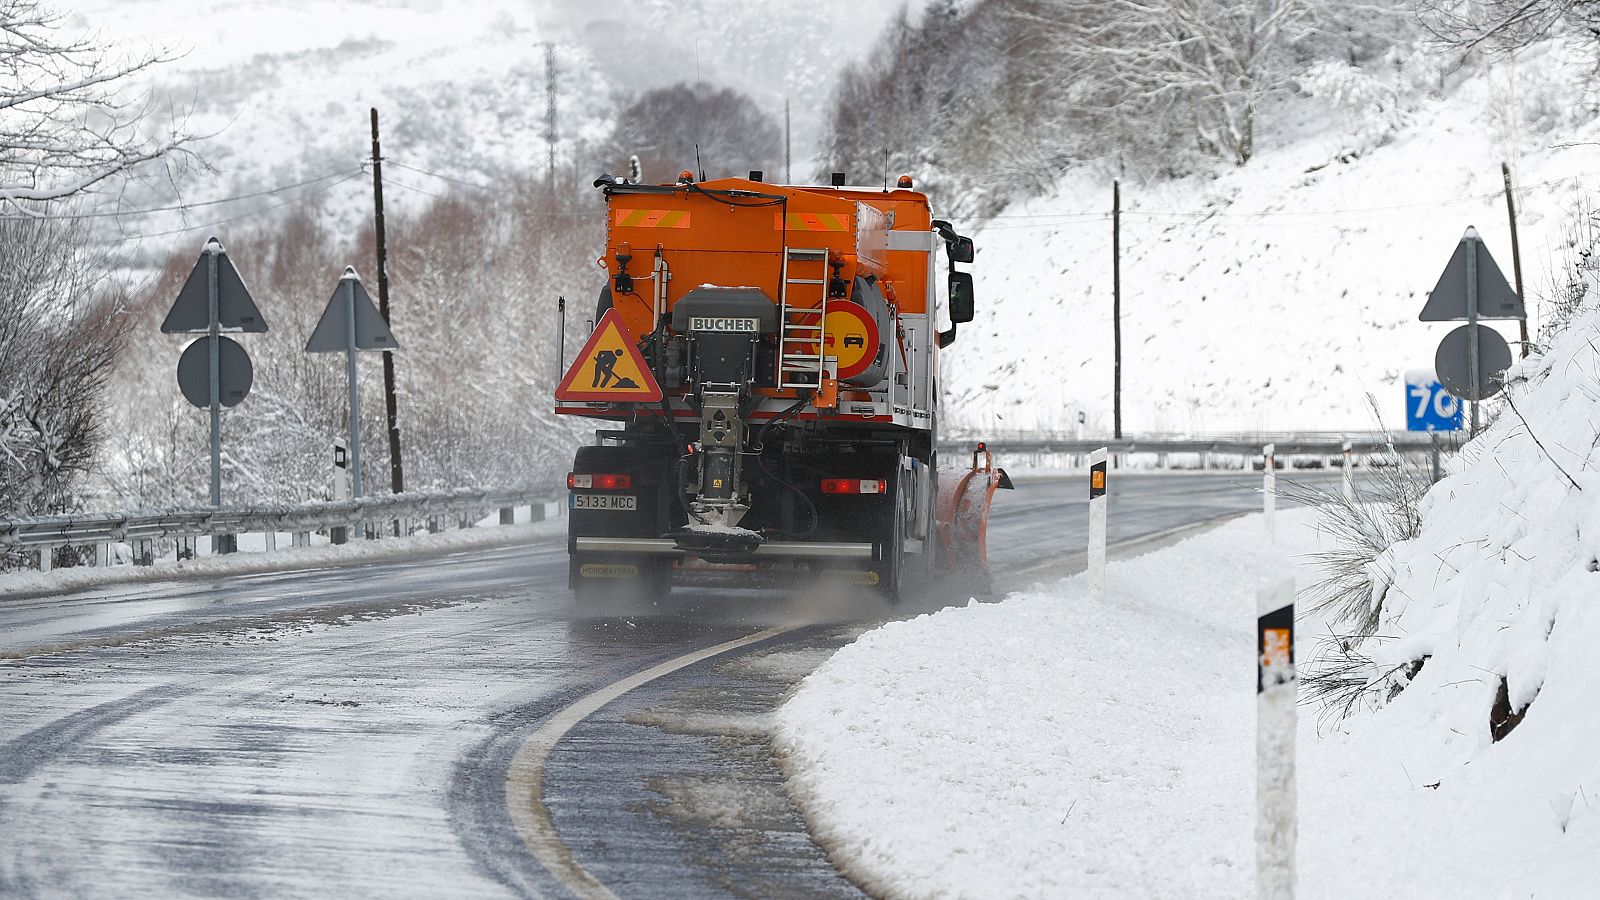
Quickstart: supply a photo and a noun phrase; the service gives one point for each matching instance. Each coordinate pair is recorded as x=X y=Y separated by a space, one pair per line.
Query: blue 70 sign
x=1429 y=407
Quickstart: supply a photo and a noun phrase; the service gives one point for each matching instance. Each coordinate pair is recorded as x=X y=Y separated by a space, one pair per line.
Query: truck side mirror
x=960 y=249
x=961 y=298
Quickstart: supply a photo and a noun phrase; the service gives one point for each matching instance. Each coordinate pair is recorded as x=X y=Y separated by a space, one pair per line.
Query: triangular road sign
x=332 y=331
x=609 y=368
x=236 y=311
x=1496 y=299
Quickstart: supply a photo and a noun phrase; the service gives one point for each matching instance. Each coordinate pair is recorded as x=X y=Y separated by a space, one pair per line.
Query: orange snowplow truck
x=769 y=356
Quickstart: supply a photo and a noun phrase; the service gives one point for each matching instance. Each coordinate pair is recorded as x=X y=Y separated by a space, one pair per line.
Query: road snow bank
x=1055 y=745
x=1052 y=744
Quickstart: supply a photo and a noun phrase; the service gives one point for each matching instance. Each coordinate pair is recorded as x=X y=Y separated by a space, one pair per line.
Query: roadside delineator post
x=1349 y=486
x=1269 y=498
x=1276 y=694
x=1097 y=521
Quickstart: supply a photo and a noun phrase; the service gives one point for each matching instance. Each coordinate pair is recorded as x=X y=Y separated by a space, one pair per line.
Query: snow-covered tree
x=1510 y=25
x=58 y=342
x=664 y=126
x=67 y=124
x=1195 y=67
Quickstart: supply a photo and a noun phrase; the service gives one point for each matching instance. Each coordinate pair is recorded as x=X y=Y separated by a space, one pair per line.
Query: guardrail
x=399 y=514
x=1288 y=444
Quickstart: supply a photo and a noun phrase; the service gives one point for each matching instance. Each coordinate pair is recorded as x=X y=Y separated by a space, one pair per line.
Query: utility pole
x=397 y=476
x=1516 y=255
x=788 y=176
x=1116 y=308
x=550 y=133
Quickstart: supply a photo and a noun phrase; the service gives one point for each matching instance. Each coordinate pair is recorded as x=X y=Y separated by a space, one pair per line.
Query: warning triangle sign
x=236 y=310
x=609 y=368
x=350 y=301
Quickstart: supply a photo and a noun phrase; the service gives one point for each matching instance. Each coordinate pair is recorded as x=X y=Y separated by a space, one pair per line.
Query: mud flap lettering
x=851 y=576
x=608 y=570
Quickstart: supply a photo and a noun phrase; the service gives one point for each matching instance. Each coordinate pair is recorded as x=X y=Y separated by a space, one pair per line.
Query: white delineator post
x=1097 y=521
x=1276 y=693
x=1269 y=493
x=1349 y=486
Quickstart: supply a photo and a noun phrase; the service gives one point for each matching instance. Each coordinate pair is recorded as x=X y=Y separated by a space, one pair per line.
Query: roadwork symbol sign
x=609 y=368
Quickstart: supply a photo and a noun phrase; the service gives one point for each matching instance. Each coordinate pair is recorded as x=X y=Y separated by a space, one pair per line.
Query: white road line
x=525 y=778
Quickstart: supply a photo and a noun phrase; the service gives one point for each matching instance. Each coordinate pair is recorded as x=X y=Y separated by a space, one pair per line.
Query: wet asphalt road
x=349 y=731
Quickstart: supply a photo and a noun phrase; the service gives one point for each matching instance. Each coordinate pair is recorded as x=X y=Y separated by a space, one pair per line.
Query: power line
x=249 y=215
x=184 y=207
x=460 y=181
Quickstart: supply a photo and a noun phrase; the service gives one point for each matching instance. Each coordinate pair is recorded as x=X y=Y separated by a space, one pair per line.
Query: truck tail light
x=854 y=486
x=606 y=482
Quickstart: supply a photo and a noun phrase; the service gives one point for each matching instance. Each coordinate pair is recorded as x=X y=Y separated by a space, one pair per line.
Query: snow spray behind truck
x=769 y=356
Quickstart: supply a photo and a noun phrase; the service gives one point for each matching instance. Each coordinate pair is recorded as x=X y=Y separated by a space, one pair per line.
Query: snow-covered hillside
x=280 y=91
x=1277 y=295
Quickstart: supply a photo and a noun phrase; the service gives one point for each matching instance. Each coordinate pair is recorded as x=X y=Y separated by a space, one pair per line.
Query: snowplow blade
x=962 y=516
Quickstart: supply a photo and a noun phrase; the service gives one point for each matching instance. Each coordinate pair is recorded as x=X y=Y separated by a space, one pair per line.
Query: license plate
x=602 y=501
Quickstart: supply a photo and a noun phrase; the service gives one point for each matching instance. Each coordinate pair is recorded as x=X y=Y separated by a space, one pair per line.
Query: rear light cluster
x=854 y=486
x=599 y=482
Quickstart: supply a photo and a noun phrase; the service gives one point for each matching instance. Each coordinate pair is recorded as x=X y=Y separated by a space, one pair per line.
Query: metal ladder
x=796 y=367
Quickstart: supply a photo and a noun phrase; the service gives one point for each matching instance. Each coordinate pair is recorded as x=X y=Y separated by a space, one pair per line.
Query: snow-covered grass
x=1277 y=295
x=1054 y=744
x=253 y=559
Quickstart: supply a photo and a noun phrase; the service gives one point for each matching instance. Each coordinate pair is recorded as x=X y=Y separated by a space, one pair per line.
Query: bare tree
x=1196 y=67
x=58 y=344
x=66 y=125
x=1509 y=25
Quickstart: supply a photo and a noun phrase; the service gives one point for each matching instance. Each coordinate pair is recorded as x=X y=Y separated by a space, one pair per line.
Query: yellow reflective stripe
x=812 y=221
x=651 y=218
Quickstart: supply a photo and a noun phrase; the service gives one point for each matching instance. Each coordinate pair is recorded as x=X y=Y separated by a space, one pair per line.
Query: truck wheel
x=891 y=552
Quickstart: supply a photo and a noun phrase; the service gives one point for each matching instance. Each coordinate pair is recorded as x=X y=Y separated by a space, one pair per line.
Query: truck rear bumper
x=769 y=550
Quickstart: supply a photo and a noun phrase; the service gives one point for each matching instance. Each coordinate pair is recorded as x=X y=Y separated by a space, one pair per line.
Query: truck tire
x=891 y=546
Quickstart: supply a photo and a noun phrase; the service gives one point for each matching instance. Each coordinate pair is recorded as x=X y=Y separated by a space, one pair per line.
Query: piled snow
x=1501 y=584
x=1277 y=295
x=1055 y=744
x=1052 y=744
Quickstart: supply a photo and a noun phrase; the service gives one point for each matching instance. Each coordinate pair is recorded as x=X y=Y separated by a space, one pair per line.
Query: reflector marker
x=811 y=221
x=606 y=482
x=651 y=218
x=854 y=486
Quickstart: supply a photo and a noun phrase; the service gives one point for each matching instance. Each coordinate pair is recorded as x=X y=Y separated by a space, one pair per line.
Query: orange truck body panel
x=705 y=241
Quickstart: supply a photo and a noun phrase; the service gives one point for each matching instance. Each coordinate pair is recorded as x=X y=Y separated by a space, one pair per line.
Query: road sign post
x=1473 y=375
x=1430 y=408
x=1348 y=485
x=1472 y=288
x=1269 y=487
x=1097 y=521
x=213 y=298
x=350 y=323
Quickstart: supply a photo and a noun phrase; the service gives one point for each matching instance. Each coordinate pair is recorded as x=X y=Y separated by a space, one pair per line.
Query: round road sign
x=234 y=373
x=1494 y=357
